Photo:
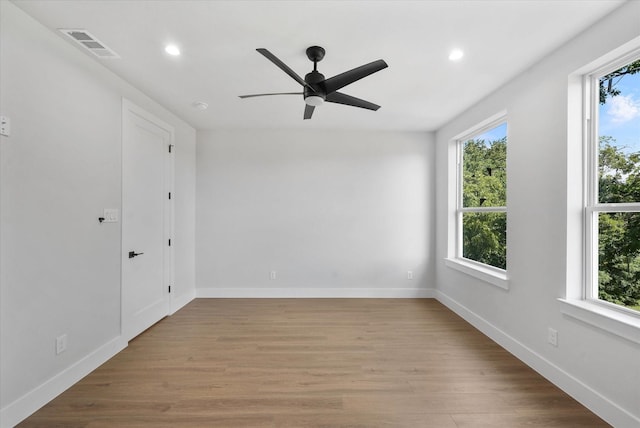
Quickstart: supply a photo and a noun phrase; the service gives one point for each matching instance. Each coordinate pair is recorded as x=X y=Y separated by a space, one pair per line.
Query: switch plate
x=272 y=274
x=61 y=344
x=409 y=274
x=110 y=215
x=5 y=126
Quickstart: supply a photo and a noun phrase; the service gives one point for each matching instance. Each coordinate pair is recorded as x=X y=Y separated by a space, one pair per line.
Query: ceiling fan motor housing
x=314 y=79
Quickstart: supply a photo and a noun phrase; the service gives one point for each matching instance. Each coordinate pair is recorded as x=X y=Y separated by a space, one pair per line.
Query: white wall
x=185 y=217
x=61 y=166
x=600 y=369
x=334 y=213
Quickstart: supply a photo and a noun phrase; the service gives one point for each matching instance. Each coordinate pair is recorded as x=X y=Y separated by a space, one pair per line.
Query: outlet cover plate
x=61 y=344
x=5 y=126
x=552 y=336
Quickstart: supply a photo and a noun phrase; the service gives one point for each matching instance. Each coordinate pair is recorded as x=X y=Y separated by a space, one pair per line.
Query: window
x=481 y=213
x=613 y=185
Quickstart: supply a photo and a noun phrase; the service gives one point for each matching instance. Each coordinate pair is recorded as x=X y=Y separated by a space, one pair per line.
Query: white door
x=146 y=219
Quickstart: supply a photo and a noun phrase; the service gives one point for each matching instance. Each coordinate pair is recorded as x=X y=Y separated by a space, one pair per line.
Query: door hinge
x=169 y=242
x=169 y=289
x=170 y=147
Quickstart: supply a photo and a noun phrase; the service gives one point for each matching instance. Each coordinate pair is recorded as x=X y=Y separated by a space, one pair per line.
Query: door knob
x=132 y=254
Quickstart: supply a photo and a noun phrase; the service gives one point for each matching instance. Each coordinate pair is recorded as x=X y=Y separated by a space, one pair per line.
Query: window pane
x=619 y=135
x=619 y=258
x=485 y=238
x=485 y=169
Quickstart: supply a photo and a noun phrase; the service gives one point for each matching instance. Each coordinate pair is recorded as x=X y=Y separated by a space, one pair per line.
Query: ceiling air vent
x=89 y=42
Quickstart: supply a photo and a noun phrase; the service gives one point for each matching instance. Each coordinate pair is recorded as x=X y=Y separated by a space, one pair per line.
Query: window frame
x=592 y=206
x=576 y=303
x=487 y=273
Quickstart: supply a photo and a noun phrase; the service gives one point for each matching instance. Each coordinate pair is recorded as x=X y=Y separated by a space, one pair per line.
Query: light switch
x=110 y=215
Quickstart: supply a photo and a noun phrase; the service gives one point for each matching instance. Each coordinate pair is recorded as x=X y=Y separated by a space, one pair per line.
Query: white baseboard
x=594 y=401
x=181 y=301
x=26 y=405
x=360 y=293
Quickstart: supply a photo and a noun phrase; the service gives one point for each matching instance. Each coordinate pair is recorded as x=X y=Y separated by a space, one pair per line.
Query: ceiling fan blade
x=265 y=95
x=340 y=98
x=308 y=111
x=336 y=82
x=284 y=67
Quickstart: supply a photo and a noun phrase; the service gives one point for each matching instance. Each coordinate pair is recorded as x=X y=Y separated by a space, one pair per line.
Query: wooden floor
x=313 y=363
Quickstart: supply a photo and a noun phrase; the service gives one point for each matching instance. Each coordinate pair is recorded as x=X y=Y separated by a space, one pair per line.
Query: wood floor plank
x=313 y=363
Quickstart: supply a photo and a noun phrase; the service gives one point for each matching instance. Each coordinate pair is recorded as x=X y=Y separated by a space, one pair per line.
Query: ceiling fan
x=317 y=89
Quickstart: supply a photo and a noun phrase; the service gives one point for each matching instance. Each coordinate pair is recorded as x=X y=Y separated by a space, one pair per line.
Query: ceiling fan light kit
x=316 y=89
x=313 y=100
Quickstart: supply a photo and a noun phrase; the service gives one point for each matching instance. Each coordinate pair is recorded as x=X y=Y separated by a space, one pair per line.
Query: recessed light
x=456 y=54
x=172 y=50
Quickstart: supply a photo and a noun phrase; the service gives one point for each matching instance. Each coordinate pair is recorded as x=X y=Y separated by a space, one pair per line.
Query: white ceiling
x=421 y=89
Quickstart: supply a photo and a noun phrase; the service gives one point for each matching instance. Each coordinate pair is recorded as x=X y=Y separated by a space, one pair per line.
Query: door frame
x=129 y=108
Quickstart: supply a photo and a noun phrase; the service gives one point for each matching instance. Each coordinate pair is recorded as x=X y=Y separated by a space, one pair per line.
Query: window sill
x=477 y=270
x=609 y=320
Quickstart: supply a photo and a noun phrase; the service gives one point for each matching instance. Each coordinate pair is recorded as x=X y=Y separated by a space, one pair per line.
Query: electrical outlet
x=272 y=274
x=409 y=274
x=5 y=126
x=552 y=336
x=61 y=344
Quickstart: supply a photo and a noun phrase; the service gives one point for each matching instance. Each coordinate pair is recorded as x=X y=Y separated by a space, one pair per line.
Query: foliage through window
x=613 y=205
x=482 y=199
